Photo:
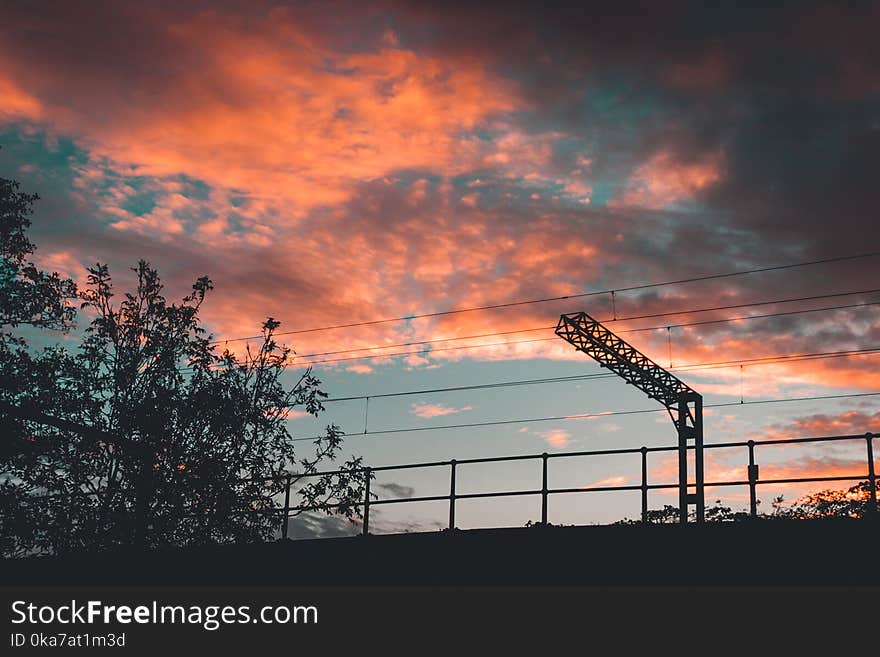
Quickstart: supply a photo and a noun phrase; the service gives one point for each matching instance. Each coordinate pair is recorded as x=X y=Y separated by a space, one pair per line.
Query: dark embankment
x=826 y=552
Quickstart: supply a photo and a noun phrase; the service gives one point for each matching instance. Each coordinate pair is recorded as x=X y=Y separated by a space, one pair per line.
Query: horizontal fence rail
x=285 y=482
x=752 y=479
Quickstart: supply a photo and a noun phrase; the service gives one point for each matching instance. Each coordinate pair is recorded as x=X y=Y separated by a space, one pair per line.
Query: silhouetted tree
x=145 y=434
x=29 y=298
x=27 y=294
x=853 y=502
x=668 y=515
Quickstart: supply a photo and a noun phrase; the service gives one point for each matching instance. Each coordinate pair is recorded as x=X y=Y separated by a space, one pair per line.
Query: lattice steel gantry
x=685 y=405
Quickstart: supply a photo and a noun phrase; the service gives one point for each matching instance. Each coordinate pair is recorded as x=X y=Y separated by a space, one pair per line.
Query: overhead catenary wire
x=621 y=319
x=633 y=330
x=505 y=343
x=630 y=288
x=430 y=351
x=584 y=416
x=766 y=360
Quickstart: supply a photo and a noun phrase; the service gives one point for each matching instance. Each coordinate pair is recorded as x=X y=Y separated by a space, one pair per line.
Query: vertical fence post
x=753 y=479
x=872 y=476
x=367 y=473
x=544 y=488
x=644 y=484
x=699 y=468
x=681 y=425
x=286 y=516
x=452 y=494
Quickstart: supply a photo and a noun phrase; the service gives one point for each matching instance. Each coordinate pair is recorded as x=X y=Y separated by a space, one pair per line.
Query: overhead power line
x=584 y=416
x=476 y=386
x=631 y=318
x=553 y=338
x=580 y=295
x=767 y=360
x=545 y=328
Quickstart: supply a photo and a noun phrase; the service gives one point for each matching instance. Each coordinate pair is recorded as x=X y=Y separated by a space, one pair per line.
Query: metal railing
x=752 y=479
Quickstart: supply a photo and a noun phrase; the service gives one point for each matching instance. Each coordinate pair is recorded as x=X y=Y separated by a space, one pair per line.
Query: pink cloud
x=16 y=103
x=608 y=481
x=276 y=112
x=556 y=438
x=824 y=424
x=665 y=179
x=360 y=368
x=329 y=176
x=425 y=410
x=734 y=468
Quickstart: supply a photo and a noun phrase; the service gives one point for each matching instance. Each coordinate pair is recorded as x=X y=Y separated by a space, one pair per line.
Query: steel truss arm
x=685 y=405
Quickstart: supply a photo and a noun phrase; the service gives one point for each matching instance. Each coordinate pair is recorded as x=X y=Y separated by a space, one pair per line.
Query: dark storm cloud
x=788 y=91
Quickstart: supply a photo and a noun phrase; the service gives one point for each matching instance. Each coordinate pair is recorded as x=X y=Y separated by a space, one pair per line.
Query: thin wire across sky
x=620 y=319
x=510 y=304
x=766 y=360
x=585 y=416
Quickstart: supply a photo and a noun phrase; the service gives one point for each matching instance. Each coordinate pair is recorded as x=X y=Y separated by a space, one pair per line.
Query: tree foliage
x=30 y=295
x=146 y=433
x=853 y=502
x=29 y=298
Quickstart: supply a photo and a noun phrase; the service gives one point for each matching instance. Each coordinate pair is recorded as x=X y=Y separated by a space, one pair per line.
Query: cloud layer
x=340 y=163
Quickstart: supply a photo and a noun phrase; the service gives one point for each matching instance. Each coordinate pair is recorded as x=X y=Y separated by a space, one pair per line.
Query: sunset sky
x=331 y=163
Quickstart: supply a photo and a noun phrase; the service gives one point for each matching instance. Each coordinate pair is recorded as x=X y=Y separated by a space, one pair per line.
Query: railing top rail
x=577 y=489
x=781 y=441
x=594 y=452
x=524 y=457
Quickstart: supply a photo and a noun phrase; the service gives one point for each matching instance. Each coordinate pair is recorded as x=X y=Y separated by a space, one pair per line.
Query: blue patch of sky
x=35 y=155
x=194 y=189
x=405 y=178
x=46 y=165
x=140 y=201
x=652 y=429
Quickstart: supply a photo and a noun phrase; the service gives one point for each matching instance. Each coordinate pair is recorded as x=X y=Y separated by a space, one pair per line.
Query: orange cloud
x=274 y=113
x=819 y=424
x=16 y=103
x=330 y=193
x=734 y=469
x=426 y=410
x=665 y=180
x=556 y=438
x=359 y=368
x=608 y=481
